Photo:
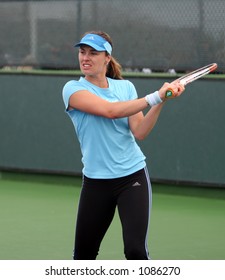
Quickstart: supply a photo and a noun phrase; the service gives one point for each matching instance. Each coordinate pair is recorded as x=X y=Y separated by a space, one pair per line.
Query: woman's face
x=92 y=62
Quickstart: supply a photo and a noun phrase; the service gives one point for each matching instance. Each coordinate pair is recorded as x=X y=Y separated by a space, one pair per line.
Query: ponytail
x=114 y=69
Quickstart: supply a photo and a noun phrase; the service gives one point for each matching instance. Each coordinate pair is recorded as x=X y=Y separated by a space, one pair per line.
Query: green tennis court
x=38 y=215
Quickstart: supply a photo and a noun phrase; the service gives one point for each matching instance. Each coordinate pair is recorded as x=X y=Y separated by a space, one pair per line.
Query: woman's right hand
x=175 y=87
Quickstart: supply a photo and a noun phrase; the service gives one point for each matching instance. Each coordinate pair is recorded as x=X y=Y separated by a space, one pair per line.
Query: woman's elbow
x=139 y=136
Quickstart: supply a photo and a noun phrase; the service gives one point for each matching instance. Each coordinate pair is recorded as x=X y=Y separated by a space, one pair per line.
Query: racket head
x=194 y=75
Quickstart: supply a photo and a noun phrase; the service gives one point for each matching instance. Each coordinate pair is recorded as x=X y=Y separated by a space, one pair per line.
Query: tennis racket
x=192 y=76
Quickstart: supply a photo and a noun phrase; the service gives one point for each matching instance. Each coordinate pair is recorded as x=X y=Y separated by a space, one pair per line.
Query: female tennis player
x=107 y=116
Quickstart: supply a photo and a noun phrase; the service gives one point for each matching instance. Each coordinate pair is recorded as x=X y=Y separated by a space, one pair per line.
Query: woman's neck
x=101 y=82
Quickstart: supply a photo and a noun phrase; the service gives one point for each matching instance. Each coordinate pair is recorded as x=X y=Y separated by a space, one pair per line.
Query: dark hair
x=114 y=68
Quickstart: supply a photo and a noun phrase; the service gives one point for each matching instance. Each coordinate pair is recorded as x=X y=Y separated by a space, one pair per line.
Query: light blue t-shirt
x=108 y=147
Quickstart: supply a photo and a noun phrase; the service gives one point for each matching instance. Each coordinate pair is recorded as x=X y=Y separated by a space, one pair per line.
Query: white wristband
x=153 y=98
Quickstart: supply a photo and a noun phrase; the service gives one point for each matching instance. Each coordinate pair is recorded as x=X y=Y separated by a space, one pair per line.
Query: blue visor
x=96 y=42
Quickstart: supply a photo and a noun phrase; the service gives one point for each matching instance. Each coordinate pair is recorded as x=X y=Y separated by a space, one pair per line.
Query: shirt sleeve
x=132 y=91
x=70 y=88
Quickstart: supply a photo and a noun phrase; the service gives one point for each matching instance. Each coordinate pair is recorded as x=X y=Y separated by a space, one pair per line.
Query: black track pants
x=98 y=201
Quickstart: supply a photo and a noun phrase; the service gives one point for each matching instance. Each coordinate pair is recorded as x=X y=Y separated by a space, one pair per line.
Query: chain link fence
x=155 y=34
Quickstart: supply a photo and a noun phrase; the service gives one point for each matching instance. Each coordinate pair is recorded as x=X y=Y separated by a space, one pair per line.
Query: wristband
x=153 y=98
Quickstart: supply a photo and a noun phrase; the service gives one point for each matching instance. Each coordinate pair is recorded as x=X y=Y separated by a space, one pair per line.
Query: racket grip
x=169 y=93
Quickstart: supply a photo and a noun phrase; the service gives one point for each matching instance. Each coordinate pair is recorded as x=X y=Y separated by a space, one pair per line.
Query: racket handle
x=169 y=93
